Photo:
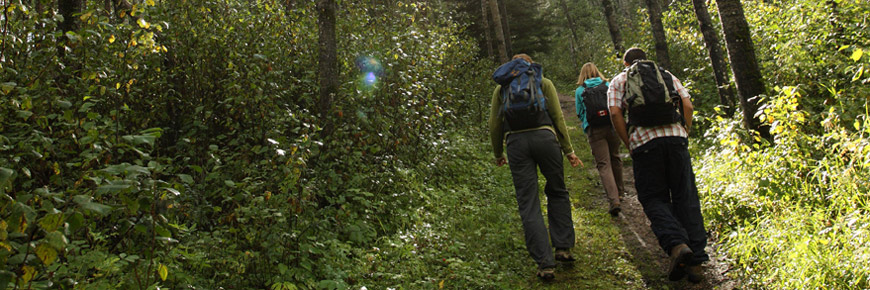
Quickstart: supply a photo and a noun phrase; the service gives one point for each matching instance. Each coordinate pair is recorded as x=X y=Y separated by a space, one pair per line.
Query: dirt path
x=644 y=251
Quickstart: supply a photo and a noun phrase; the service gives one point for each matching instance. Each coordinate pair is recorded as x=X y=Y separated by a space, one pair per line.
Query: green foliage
x=793 y=214
x=173 y=145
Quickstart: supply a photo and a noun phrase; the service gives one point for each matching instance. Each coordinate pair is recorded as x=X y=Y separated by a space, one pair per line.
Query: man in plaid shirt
x=664 y=178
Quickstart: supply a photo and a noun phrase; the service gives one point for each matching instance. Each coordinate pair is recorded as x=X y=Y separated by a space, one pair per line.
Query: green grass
x=469 y=235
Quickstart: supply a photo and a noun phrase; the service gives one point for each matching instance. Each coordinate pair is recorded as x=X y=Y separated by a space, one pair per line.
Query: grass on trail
x=603 y=259
x=469 y=234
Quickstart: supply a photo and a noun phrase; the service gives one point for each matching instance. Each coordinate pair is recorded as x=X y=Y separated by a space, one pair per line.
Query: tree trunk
x=327 y=60
x=744 y=64
x=505 y=24
x=499 y=32
x=67 y=9
x=485 y=21
x=613 y=26
x=658 y=29
x=108 y=7
x=717 y=59
x=573 y=32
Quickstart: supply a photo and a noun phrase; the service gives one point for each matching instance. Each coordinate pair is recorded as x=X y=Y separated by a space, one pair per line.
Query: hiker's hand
x=501 y=161
x=574 y=160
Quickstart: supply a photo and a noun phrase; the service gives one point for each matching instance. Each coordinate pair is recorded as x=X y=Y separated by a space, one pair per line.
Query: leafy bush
x=174 y=144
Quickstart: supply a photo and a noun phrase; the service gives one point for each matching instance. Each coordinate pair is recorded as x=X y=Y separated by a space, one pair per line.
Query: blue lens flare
x=370 y=70
x=370 y=79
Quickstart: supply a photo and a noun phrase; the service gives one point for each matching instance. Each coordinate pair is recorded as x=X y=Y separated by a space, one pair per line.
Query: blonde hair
x=588 y=71
x=523 y=56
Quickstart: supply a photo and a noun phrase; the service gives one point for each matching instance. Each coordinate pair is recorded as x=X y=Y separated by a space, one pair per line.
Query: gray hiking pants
x=527 y=152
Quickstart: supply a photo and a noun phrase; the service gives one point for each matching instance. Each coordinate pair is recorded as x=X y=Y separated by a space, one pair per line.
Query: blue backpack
x=523 y=103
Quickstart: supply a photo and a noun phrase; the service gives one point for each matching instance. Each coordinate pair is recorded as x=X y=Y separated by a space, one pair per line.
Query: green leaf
x=46 y=254
x=230 y=183
x=6 y=176
x=186 y=178
x=75 y=221
x=173 y=191
x=24 y=114
x=56 y=240
x=86 y=202
x=162 y=271
x=64 y=104
x=161 y=231
x=5 y=278
x=7 y=87
x=51 y=222
x=112 y=188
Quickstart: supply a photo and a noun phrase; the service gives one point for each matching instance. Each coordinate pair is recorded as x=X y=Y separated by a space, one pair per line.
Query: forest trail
x=618 y=253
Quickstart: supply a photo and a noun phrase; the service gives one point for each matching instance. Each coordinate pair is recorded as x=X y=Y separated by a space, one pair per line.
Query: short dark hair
x=633 y=54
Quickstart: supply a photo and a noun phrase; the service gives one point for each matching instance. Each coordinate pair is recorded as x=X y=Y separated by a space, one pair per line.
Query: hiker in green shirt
x=537 y=143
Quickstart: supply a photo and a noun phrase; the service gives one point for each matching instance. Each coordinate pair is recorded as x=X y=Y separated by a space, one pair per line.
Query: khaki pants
x=605 y=148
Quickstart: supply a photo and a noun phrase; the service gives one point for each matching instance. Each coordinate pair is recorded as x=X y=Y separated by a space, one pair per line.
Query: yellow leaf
x=85 y=16
x=163 y=272
x=46 y=254
x=28 y=273
x=441 y=284
x=112 y=39
x=149 y=2
x=857 y=54
x=144 y=24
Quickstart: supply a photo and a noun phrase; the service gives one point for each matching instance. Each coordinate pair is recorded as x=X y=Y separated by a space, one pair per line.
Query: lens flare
x=370 y=70
x=370 y=79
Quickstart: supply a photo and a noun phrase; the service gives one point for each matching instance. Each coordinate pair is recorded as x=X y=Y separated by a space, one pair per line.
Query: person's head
x=523 y=56
x=633 y=54
x=588 y=71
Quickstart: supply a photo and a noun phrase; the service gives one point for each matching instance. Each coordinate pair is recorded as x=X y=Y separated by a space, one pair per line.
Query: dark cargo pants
x=666 y=189
x=528 y=151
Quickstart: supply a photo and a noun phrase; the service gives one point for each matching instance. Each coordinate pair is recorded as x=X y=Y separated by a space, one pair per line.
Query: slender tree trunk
x=505 y=24
x=744 y=64
x=67 y=9
x=108 y=7
x=38 y=6
x=499 y=32
x=717 y=58
x=327 y=60
x=573 y=31
x=485 y=21
x=658 y=29
x=613 y=26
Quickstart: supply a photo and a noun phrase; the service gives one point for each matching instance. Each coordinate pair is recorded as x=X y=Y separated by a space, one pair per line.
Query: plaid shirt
x=640 y=135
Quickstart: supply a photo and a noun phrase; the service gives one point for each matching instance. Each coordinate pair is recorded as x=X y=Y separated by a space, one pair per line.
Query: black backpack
x=595 y=100
x=651 y=96
x=523 y=103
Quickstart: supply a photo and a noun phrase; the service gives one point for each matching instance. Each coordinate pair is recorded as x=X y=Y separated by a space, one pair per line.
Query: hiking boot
x=546 y=274
x=696 y=273
x=614 y=209
x=564 y=255
x=680 y=256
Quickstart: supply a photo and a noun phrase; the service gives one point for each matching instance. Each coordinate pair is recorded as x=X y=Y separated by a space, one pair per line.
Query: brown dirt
x=642 y=243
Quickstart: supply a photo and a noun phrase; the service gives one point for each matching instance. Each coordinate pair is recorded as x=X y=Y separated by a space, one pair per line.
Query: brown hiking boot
x=614 y=209
x=680 y=256
x=546 y=274
x=696 y=273
x=564 y=255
